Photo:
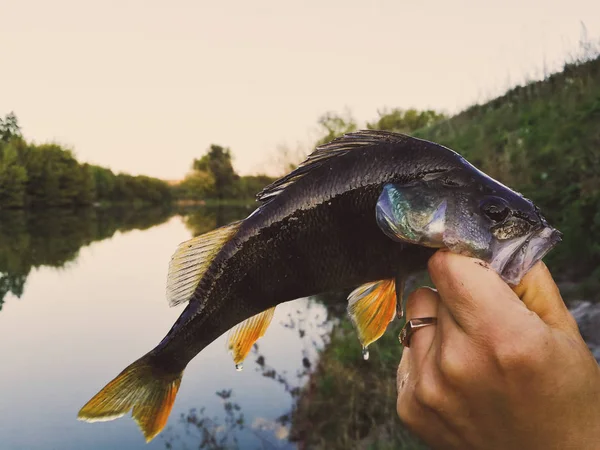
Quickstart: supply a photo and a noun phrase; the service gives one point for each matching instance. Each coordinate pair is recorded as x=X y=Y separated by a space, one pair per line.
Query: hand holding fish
x=502 y=368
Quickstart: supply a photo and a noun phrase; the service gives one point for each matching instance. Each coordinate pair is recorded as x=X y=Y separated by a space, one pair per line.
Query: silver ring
x=411 y=326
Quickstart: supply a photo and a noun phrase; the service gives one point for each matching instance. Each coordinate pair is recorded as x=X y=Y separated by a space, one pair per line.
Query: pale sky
x=144 y=86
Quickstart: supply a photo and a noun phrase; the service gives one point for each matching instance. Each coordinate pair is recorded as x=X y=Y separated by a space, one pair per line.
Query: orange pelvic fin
x=243 y=336
x=372 y=307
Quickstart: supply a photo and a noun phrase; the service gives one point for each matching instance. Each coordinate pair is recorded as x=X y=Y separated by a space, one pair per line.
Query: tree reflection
x=207 y=431
x=53 y=237
x=207 y=218
x=200 y=429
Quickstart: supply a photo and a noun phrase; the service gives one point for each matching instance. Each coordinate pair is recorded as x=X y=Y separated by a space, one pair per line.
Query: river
x=82 y=295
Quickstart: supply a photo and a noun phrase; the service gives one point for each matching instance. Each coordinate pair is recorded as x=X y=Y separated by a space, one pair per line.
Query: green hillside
x=543 y=139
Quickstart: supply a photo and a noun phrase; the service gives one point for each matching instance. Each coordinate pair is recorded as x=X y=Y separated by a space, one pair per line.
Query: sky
x=145 y=86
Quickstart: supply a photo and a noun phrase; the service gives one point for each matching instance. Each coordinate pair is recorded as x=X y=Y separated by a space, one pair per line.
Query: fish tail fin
x=147 y=390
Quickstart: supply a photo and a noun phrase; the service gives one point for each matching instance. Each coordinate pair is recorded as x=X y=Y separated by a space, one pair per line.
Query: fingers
x=421 y=420
x=423 y=398
x=540 y=294
x=421 y=303
x=475 y=295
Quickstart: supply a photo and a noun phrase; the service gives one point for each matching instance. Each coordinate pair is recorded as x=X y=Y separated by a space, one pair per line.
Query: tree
x=87 y=186
x=104 y=182
x=197 y=185
x=217 y=162
x=13 y=178
x=9 y=127
x=335 y=125
x=405 y=121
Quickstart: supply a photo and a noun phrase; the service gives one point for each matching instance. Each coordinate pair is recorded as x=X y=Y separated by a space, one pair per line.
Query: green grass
x=542 y=139
x=350 y=403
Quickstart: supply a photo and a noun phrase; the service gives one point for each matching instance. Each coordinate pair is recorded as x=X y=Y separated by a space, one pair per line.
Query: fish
x=362 y=212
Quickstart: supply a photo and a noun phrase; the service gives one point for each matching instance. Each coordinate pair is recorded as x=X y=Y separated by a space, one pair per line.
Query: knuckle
x=438 y=263
x=409 y=415
x=428 y=394
x=405 y=412
x=413 y=299
x=451 y=365
x=417 y=296
x=524 y=354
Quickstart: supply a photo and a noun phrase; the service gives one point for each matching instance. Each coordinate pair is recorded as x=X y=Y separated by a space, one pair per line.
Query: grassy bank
x=542 y=139
x=350 y=403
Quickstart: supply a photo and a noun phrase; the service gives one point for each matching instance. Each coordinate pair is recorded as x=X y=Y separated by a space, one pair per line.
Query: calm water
x=82 y=296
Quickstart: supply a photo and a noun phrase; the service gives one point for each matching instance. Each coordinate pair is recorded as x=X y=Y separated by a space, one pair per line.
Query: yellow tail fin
x=139 y=388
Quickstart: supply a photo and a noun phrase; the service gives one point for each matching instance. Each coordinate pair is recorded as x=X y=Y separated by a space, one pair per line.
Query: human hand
x=502 y=369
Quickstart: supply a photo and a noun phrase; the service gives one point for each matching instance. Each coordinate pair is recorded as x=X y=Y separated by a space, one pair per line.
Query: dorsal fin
x=325 y=152
x=191 y=259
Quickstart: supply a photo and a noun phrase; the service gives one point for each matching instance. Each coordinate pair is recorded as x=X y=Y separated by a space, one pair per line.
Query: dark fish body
x=317 y=230
x=318 y=234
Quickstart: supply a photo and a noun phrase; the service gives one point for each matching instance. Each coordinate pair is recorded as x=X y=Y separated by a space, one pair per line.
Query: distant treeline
x=213 y=178
x=48 y=175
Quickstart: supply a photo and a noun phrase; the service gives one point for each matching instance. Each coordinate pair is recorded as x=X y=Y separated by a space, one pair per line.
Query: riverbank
x=350 y=403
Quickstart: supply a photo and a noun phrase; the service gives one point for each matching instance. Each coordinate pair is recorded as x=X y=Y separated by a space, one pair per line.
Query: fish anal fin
x=243 y=336
x=371 y=308
x=191 y=260
x=140 y=388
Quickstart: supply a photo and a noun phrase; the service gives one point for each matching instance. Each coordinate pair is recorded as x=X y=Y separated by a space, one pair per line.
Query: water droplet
x=239 y=367
x=365 y=353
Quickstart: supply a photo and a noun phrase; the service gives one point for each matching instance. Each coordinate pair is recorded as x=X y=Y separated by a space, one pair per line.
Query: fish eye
x=495 y=208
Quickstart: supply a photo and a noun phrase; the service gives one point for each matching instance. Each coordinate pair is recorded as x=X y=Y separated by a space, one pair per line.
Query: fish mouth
x=514 y=259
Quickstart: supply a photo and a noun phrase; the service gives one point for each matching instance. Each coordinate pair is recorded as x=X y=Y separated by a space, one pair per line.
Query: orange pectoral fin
x=243 y=336
x=372 y=307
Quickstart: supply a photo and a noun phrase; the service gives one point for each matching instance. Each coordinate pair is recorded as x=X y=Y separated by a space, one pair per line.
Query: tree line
x=49 y=175
x=213 y=178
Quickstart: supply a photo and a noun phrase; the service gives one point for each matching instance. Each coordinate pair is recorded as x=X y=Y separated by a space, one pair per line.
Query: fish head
x=468 y=213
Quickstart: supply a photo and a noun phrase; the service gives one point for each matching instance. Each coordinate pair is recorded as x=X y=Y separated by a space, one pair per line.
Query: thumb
x=539 y=293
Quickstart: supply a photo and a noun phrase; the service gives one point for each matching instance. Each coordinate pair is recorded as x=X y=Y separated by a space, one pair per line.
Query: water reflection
x=205 y=219
x=104 y=308
x=231 y=429
x=31 y=239
x=53 y=237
